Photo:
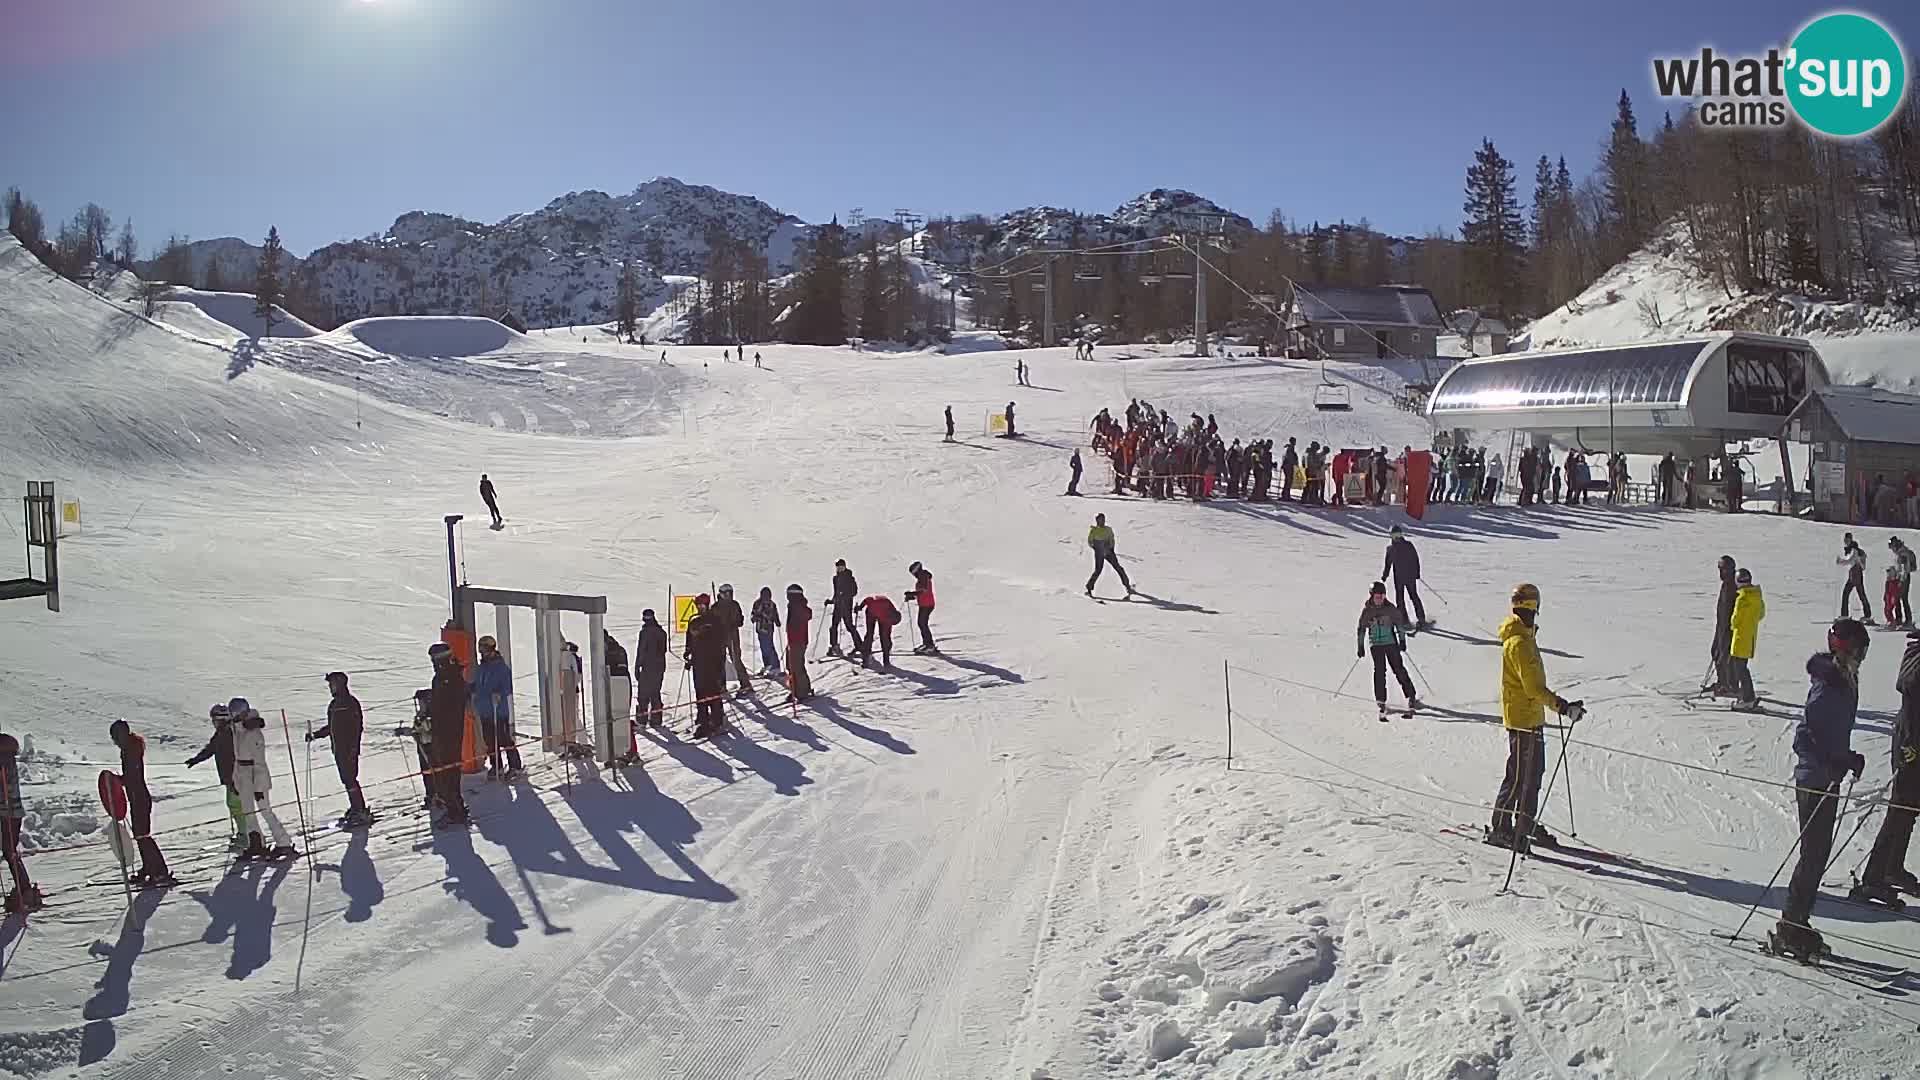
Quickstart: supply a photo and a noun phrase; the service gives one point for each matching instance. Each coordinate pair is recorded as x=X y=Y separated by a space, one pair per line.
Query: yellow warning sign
x=683 y=612
x=70 y=511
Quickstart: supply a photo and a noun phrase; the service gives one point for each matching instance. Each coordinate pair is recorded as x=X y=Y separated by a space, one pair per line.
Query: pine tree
x=873 y=298
x=1629 y=205
x=1316 y=243
x=1378 y=269
x=626 y=303
x=1494 y=232
x=267 y=290
x=819 y=318
x=1802 y=256
x=1344 y=270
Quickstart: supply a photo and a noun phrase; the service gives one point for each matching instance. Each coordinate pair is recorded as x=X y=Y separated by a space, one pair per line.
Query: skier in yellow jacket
x=1524 y=698
x=1749 y=607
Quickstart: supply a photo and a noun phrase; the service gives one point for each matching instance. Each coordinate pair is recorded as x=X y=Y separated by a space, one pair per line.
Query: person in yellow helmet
x=1524 y=698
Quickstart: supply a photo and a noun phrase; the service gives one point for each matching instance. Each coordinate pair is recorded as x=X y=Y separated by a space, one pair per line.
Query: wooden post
x=1226 y=676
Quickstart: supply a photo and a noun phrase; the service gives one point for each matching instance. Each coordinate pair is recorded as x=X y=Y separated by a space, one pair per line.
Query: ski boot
x=256 y=849
x=1413 y=706
x=282 y=852
x=1877 y=893
x=24 y=900
x=1800 y=943
x=1382 y=717
x=833 y=652
x=1905 y=882
x=1542 y=837
x=1504 y=840
x=1746 y=706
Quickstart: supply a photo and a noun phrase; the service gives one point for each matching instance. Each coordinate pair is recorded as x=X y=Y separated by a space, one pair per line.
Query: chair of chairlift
x=1331 y=396
x=1149 y=279
x=1086 y=275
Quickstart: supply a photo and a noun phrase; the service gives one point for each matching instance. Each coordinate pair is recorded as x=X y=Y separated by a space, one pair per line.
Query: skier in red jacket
x=922 y=597
x=881 y=616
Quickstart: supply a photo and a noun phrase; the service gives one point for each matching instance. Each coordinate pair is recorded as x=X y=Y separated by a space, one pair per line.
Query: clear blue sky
x=330 y=117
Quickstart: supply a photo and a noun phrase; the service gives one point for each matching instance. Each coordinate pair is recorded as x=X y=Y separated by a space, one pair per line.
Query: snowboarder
x=1073 y=464
x=1749 y=607
x=1823 y=754
x=707 y=659
x=949 y=437
x=882 y=616
x=1403 y=563
x=220 y=748
x=799 y=614
x=766 y=619
x=846 y=591
x=1886 y=871
x=651 y=652
x=1524 y=697
x=345 y=722
x=1100 y=539
x=447 y=710
x=133 y=776
x=1854 y=558
x=13 y=814
x=1723 y=628
x=619 y=702
x=254 y=777
x=1383 y=626
x=732 y=621
x=1011 y=433
x=922 y=597
x=487 y=496
x=492 y=691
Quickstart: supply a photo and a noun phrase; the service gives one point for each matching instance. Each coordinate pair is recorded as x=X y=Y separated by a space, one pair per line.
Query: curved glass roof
x=1653 y=374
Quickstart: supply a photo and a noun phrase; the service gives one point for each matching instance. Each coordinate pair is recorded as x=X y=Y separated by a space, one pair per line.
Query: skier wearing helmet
x=1524 y=697
x=922 y=597
x=1749 y=607
x=447 y=711
x=799 y=614
x=1823 y=753
x=727 y=611
x=220 y=749
x=707 y=659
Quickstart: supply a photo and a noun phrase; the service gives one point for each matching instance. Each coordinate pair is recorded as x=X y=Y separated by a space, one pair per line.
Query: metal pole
x=453 y=572
x=1226 y=675
x=1199 y=304
x=1046 y=333
x=287 y=730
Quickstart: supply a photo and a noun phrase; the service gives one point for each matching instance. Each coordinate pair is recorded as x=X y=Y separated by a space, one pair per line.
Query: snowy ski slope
x=1022 y=859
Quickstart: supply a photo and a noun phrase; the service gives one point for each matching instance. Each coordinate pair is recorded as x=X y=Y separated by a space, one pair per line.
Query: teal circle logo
x=1846 y=75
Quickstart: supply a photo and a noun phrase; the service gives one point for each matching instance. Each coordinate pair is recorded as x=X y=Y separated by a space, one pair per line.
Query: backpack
x=893 y=618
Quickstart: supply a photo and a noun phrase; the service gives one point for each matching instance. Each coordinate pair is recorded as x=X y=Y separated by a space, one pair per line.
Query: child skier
x=255 y=781
x=766 y=619
x=13 y=812
x=1749 y=607
x=1384 y=627
x=220 y=748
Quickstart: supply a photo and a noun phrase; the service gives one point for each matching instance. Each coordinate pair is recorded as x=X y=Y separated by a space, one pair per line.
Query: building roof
x=1368 y=305
x=1466 y=320
x=1653 y=374
x=1869 y=414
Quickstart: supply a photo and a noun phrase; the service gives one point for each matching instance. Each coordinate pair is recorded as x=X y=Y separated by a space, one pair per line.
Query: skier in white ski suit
x=253 y=780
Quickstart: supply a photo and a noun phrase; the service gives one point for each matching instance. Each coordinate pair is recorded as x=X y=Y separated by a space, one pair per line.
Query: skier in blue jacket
x=493 y=708
x=1823 y=754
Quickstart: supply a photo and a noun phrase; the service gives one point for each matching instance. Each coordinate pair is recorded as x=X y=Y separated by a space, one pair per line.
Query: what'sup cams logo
x=1843 y=75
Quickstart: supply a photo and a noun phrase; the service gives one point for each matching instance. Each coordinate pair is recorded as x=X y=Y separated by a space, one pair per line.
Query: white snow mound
x=429 y=335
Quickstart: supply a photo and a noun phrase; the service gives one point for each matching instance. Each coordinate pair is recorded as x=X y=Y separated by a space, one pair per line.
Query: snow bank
x=235 y=310
x=428 y=335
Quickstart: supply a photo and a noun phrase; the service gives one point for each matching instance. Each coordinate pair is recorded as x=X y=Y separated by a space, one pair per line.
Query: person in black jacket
x=846 y=592
x=1886 y=871
x=488 y=496
x=447 y=708
x=1823 y=755
x=1722 y=681
x=1403 y=562
x=707 y=659
x=1073 y=464
x=651 y=651
x=1289 y=461
x=220 y=748
x=344 y=726
x=727 y=611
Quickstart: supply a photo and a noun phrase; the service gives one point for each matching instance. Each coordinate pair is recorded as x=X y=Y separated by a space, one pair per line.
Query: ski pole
x=1344 y=678
x=1566 y=740
x=1864 y=815
x=1825 y=795
x=1513 y=816
x=1417 y=671
x=1436 y=593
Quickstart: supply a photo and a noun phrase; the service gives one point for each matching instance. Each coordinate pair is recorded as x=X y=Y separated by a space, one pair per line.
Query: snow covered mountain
x=559 y=265
x=1152 y=213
